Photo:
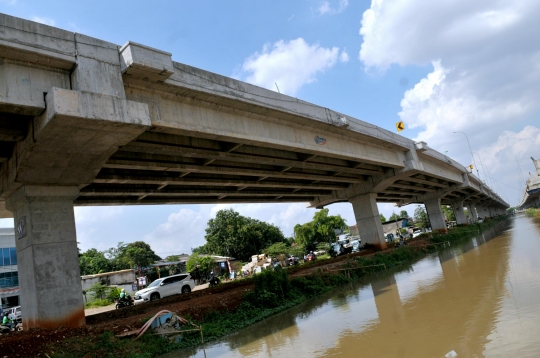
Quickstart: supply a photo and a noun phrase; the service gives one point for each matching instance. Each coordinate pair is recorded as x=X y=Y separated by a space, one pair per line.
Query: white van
x=15 y=313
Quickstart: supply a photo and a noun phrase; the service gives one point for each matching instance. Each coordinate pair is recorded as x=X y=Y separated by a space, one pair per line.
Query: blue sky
x=439 y=66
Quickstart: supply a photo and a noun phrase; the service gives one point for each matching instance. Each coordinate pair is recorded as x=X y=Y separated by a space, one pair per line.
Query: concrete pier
x=368 y=219
x=436 y=216
x=459 y=212
x=49 y=276
x=472 y=212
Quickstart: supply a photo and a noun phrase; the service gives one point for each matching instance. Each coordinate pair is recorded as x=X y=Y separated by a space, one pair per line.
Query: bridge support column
x=436 y=216
x=46 y=242
x=481 y=212
x=459 y=212
x=472 y=212
x=368 y=219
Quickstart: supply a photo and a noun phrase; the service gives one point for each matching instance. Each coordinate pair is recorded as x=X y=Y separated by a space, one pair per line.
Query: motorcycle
x=5 y=329
x=124 y=302
x=214 y=281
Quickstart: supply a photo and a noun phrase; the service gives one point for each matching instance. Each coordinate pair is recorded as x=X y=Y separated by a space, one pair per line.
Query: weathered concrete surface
x=531 y=195
x=368 y=219
x=459 y=212
x=436 y=216
x=49 y=276
x=72 y=139
x=472 y=211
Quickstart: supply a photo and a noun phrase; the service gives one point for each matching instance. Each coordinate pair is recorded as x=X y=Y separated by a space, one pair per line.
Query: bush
x=271 y=288
x=114 y=294
x=97 y=303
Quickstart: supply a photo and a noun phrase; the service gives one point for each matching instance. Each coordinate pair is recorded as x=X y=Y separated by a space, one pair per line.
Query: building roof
x=10 y=291
x=106 y=274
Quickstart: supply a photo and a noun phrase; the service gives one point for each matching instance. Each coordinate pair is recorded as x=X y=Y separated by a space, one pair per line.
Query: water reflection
x=479 y=299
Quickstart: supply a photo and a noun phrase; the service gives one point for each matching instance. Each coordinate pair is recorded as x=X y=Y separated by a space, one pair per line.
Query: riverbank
x=227 y=308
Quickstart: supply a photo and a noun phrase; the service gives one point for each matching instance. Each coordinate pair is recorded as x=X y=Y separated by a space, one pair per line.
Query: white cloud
x=290 y=64
x=74 y=27
x=344 y=57
x=326 y=8
x=43 y=20
x=486 y=72
x=88 y=214
x=181 y=232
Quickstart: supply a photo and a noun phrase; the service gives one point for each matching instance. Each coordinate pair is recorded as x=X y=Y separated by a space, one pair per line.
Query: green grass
x=98 y=303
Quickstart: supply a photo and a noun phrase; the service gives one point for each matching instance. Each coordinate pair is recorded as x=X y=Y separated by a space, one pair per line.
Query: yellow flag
x=400 y=126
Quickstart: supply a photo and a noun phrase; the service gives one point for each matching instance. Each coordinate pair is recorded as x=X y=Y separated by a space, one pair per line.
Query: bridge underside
x=162 y=168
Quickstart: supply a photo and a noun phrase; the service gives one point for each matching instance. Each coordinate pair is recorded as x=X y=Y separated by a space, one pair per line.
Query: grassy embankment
x=274 y=292
x=534 y=213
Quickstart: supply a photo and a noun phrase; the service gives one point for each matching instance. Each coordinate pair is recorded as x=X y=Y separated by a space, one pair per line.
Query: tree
x=404 y=214
x=172 y=258
x=204 y=263
x=277 y=249
x=231 y=234
x=93 y=261
x=420 y=217
x=99 y=290
x=113 y=255
x=383 y=219
x=139 y=254
x=448 y=213
x=320 y=229
x=394 y=217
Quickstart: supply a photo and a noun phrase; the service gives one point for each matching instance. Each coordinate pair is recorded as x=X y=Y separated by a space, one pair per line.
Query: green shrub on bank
x=533 y=213
x=98 y=302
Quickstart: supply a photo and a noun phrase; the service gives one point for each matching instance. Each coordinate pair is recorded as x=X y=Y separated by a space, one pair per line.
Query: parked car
x=164 y=287
x=416 y=233
x=356 y=245
x=15 y=313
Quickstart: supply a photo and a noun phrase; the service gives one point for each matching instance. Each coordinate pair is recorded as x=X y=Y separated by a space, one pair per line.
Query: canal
x=480 y=298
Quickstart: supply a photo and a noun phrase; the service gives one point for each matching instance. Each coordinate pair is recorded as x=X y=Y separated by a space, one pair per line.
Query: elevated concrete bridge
x=531 y=194
x=87 y=122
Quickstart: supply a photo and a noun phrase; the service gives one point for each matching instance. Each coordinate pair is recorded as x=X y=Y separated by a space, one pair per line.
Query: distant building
x=391 y=227
x=9 y=273
x=121 y=279
x=388 y=226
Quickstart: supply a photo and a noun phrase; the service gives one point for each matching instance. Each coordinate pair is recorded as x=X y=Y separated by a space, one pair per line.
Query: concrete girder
x=227 y=170
x=126 y=178
x=376 y=183
x=202 y=119
x=182 y=199
x=289 y=157
x=108 y=191
x=139 y=147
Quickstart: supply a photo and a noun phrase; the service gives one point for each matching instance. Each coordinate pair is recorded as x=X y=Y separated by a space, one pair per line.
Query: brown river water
x=480 y=298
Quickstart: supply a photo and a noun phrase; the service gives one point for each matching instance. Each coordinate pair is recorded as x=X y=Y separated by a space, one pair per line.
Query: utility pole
x=472 y=156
